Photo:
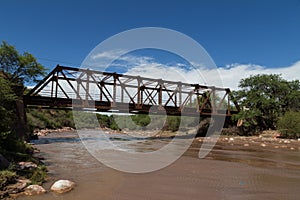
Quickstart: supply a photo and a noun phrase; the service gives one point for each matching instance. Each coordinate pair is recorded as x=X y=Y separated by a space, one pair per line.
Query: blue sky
x=251 y=35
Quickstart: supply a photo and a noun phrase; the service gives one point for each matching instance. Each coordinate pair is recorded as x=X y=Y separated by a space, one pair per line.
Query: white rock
x=263 y=145
x=62 y=186
x=23 y=183
x=27 y=165
x=246 y=145
x=34 y=190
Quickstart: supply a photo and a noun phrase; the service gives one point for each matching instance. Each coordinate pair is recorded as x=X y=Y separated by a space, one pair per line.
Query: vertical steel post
x=139 y=92
x=78 y=89
x=52 y=85
x=180 y=93
x=101 y=93
x=114 y=90
x=214 y=100
x=122 y=95
x=160 y=94
x=56 y=88
x=191 y=102
x=87 y=87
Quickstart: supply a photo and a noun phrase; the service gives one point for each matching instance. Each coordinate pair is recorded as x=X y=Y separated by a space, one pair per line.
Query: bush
x=36 y=175
x=41 y=119
x=7 y=177
x=289 y=125
x=141 y=120
x=15 y=150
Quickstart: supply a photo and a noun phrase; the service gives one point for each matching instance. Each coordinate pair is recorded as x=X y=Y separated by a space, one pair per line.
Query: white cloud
x=227 y=76
x=102 y=59
x=232 y=74
x=171 y=73
x=107 y=54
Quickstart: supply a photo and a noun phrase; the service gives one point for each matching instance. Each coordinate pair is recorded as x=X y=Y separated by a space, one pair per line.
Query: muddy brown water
x=228 y=172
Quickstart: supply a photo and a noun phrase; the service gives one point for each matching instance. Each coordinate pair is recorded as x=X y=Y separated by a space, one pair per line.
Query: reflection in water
x=226 y=173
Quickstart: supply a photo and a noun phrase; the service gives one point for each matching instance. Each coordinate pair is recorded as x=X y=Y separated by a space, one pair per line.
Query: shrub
x=7 y=177
x=289 y=125
x=37 y=175
x=40 y=119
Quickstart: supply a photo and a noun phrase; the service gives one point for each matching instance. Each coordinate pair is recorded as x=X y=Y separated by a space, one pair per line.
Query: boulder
x=263 y=145
x=26 y=165
x=3 y=162
x=62 y=186
x=15 y=188
x=34 y=190
x=24 y=182
x=269 y=134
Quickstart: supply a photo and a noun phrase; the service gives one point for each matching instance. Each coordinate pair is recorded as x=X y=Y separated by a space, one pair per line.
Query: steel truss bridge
x=85 y=89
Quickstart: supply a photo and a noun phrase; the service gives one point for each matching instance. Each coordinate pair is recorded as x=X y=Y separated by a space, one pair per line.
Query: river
x=230 y=171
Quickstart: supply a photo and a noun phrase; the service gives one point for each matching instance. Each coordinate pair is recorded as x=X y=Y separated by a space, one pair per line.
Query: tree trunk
x=20 y=124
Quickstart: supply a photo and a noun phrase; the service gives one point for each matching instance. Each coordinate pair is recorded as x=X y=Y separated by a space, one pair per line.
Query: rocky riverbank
x=44 y=132
x=260 y=141
x=22 y=178
x=26 y=177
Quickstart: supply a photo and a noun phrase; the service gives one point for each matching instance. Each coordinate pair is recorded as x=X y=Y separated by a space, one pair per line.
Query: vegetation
x=53 y=119
x=7 y=99
x=265 y=98
x=50 y=119
x=7 y=177
x=148 y=122
x=15 y=70
x=19 y=68
x=35 y=175
x=289 y=125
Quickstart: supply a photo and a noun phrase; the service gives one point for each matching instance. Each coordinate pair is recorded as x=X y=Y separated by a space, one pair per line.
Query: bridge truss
x=74 y=88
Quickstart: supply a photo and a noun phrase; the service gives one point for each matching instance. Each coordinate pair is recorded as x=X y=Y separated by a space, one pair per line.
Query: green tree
x=15 y=70
x=292 y=97
x=7 y=99
x=266 y=97
x=19 y=68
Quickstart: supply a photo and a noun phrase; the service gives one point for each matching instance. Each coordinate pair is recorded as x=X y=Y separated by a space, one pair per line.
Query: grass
x=37 y=175
x=7 y=177
x=17 y=151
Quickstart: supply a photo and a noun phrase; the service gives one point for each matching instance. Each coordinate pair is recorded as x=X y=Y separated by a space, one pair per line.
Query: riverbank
x=46 y=131
x=236 y=168
x=21 y=169
x=27 y=169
